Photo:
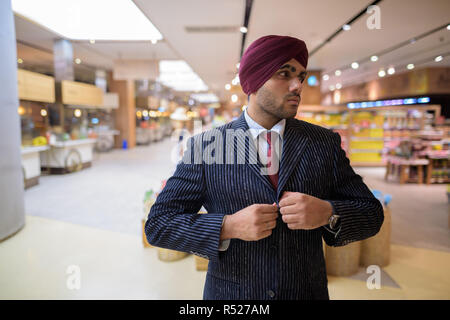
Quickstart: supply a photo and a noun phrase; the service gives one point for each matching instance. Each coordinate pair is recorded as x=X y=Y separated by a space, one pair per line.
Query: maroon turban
x=265 y=56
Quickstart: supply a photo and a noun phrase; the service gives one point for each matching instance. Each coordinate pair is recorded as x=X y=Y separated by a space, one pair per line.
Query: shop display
x=152 y=126
x=334 y=118
x=36 y=94
x=31 y=164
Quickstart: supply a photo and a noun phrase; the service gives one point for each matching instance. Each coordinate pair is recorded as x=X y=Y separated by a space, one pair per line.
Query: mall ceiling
x=205 y=33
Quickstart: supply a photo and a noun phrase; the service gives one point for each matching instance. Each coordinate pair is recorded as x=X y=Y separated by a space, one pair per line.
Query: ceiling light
x=77 y=113
x=331 y=88
x=77 y=60
x=92 y=41
x=410 y=66
x=346 y=27
x=19 y=60
x=355 y=65
x=237 y=65
x=178 y=75
x=154 y=41
x=325 y=77
x=234 y=98
x=438 y=58
x=373 y=58
x=448 y=27
x=391 y=70
x=243 y=29
x=79 y=20
x=145 y=113
x=43 y=112
x=337 y=73
x=338 y=86
x=228 y=86
x=381 y=73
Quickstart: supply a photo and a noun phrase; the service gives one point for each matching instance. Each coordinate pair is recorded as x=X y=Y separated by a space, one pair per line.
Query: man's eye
x=284 y=74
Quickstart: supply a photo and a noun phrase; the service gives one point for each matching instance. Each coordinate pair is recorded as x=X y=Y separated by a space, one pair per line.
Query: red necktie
x=272 y=177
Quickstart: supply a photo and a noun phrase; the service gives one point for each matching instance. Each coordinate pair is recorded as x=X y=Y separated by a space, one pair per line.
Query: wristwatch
x=333 y=221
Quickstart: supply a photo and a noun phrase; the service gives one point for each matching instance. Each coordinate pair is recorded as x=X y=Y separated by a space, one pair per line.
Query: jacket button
x=271 y=293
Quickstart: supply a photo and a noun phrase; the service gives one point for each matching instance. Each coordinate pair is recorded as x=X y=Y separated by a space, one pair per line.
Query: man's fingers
x=269 y=225
x=269 y=217
x=287 y=201
x=268 y=208
x=291 y=209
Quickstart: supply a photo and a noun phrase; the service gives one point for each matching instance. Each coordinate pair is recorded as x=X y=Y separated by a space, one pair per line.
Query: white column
x=12 y=211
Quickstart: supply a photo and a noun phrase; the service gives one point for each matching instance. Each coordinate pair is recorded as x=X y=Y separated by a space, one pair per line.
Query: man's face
x=280 y=95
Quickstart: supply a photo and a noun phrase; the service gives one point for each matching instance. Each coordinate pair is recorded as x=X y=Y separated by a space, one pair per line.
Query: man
x=282 y=187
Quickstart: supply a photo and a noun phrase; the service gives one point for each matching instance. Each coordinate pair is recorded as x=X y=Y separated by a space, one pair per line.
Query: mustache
x=293 y=96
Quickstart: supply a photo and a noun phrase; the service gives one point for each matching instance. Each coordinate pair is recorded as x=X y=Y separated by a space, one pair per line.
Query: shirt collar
x=256 y=128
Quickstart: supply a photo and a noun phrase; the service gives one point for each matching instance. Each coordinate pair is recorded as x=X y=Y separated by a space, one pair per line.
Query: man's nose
x=296 y=85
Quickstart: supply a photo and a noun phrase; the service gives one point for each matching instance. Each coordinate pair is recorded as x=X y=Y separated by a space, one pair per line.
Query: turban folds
x=265 y=56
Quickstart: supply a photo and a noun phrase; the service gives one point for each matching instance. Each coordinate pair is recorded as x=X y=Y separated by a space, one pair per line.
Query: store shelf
x=367 y=138
x=367 y=164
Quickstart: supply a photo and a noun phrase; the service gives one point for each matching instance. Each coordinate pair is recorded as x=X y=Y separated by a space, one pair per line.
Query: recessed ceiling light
x=355 y=65
x=325 y=77
x=338 y=86
x=92 y=41
x=237 y=65
x=410 y=66
x=391 y=70
x=234 y=98
x=19 y=60
x=438 y=58
x=77 y=60
x=79 y=20
x=346 y=27
x=381 y=73
x=227 y=86
x=331 y=88
x=373 y=58
x=337 y=73
x=448 y=27
x=178 y=75
x=243 y=29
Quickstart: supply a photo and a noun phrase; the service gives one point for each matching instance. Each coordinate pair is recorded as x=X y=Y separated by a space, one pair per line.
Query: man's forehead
x=293 y=64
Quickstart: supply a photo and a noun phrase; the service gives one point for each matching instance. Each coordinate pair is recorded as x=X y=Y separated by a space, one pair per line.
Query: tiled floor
x=92 y=219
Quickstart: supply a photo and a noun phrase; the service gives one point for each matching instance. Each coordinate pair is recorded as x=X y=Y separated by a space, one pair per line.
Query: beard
x=269 y=103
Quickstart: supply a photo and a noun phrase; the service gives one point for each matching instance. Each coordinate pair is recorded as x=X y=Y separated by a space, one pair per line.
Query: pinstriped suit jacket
x=289 y=264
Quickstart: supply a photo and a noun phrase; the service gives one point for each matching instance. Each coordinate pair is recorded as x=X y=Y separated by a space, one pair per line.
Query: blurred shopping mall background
x=96 y=95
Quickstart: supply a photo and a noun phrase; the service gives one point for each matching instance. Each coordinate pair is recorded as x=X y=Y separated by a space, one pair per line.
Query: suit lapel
x=246 y=149
x=295 y=141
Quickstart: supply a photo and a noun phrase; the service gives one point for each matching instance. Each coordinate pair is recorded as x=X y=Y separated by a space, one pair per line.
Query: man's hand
x=252 y=223
x=302 y=211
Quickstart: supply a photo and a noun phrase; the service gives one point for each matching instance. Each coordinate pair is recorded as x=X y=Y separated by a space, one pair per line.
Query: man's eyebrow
x=292 y=68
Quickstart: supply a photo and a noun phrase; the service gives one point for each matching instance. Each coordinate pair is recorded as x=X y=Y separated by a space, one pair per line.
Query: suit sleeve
x=361 y=214
x=173 y=221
